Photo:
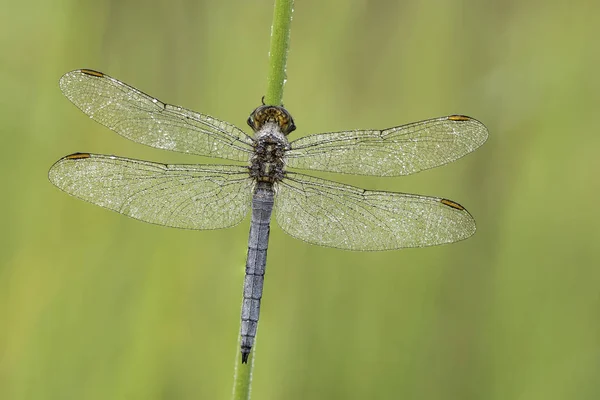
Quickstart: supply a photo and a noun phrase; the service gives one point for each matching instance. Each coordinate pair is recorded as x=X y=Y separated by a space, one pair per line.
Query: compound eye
x=250 y=122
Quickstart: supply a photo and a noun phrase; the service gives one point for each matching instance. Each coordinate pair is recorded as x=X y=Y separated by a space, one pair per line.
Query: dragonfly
x=212 y=196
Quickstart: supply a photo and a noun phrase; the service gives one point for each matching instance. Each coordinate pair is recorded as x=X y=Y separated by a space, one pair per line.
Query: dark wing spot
x=459 y=118
x=452 y=204
x=78 y=156
x=92 y=73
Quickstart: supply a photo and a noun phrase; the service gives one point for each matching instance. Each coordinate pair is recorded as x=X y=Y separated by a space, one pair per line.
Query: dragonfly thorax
x=267 y=162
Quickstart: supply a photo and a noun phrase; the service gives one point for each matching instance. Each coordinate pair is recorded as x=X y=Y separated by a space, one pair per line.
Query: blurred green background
x=94 y=305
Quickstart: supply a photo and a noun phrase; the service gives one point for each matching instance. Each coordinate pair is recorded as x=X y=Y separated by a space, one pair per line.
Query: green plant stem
x=280 y=39
x=242 y=377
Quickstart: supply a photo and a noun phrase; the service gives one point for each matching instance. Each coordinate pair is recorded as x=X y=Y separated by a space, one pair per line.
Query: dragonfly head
x=278 y=115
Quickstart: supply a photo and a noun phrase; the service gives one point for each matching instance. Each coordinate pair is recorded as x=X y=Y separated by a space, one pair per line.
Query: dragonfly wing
x=402 y=150
x=181 y=196
x=149 y=121
x=331 y=214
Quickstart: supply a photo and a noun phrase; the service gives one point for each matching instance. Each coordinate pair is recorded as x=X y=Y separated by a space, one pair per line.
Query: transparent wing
x=149 y=121
x=402 y=150
x=181 y=196
x=335 y=215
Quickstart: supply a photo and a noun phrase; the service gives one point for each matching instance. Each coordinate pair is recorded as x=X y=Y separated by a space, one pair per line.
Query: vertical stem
x=242 y=378
x=280 y=39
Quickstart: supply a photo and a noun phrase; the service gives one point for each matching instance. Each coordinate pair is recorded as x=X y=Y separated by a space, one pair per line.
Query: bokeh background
x=94 y=305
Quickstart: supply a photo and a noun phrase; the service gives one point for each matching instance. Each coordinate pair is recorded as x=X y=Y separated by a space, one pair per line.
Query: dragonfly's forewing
x=402 y=150
x=147 y=120
x=181 y=196
x=331 y=214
